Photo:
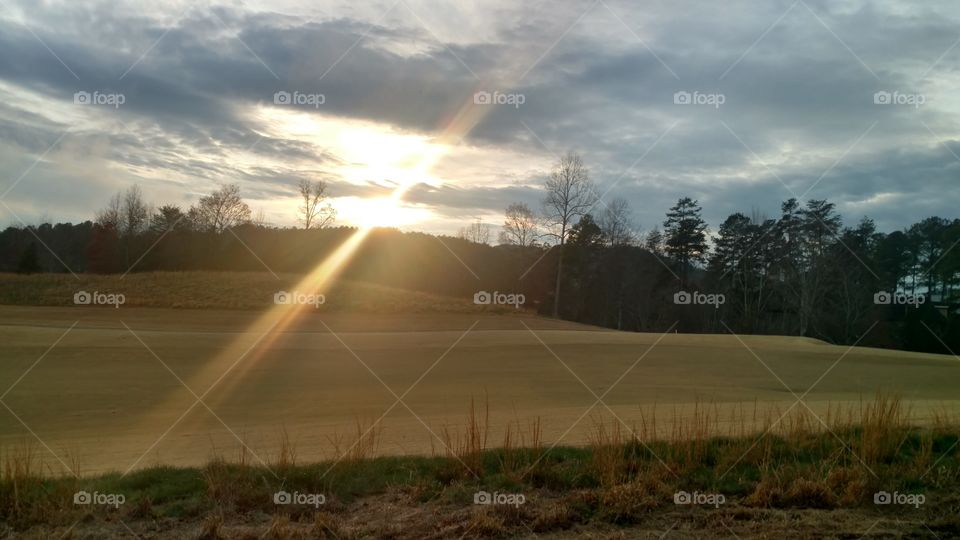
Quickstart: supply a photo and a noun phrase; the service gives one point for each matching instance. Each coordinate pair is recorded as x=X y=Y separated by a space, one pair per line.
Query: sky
x=467 y=106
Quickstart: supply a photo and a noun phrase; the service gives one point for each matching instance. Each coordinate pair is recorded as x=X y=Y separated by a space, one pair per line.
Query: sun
x=378 y=212
x=368 y=154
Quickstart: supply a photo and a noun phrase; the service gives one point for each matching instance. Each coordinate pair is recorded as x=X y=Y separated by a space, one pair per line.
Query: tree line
x=801 y=272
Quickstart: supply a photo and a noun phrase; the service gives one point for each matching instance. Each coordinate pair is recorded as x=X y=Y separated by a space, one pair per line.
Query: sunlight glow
x=244 y=353
x=370 y=154
x=368 y=151
x=379 y=212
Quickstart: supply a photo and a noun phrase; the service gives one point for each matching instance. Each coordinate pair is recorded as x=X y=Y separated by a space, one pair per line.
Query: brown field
x=201 y=371
x=114 y=392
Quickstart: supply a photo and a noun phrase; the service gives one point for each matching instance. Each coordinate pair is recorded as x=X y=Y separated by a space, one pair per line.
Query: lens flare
x=229 y=367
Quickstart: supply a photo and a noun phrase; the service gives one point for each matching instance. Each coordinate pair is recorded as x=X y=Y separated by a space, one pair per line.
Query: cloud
x=798 y=85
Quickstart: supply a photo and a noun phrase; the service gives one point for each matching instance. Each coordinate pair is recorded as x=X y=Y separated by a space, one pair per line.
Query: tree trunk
x=556 y=292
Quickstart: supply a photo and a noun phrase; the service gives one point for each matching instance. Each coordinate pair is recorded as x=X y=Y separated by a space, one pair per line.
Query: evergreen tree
x=685 y=236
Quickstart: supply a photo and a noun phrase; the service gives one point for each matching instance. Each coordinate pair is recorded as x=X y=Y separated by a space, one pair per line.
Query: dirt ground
x=120 y=389
x=397 y=516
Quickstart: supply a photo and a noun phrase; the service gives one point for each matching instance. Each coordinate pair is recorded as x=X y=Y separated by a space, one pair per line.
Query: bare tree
x=220 y=210
x=315 y=212
x=617 y=224
x=570 y=195
x=520 y=227
x=260 y=219
x=126 y=212
x=653 y=241
x=128 y=215
x=135 y=213
x=476 y=232
x=110 y=216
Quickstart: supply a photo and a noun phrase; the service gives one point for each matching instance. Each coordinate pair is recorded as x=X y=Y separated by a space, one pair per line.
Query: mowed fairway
x=120 y=389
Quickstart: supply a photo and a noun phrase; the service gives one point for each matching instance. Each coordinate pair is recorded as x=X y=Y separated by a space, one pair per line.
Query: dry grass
x=624 y=473
x=327 y=525
x=212 y=528
x=286 y=454
x=21 y=474
x=519 y=445
x=883 y=421
x=365 y=443
x=467 y=446
x=607 y=452
x=279 y=528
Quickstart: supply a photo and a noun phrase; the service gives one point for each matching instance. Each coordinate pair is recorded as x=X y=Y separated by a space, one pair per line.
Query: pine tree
x=686 y=236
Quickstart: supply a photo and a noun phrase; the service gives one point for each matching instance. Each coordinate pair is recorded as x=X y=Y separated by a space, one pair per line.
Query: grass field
x=91 y=390
x=116 y=382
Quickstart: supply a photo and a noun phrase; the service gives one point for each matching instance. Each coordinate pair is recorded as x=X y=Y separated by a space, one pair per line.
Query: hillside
x=222 y=290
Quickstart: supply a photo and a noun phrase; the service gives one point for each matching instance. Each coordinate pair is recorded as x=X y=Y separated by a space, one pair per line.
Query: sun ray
x=229 y=367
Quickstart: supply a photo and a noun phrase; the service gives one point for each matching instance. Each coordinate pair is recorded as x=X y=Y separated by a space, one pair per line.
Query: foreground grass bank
x=876 y=467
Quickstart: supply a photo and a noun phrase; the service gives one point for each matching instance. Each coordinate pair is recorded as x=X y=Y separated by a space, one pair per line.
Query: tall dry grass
x=21 y=473
x=363 y=445
x=467 y=443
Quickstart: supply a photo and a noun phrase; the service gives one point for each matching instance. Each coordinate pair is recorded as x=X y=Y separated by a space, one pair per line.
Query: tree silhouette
x=570 y=195
x=685 y=236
